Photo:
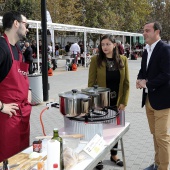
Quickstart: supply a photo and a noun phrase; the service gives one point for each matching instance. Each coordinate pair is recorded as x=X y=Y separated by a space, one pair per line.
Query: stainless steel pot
x=100 y=96
x=74 y=103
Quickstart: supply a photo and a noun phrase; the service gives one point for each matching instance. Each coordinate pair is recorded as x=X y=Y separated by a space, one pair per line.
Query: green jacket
x=97 y=76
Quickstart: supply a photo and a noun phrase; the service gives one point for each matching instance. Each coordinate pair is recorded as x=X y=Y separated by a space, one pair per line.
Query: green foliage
x=24 y=6
x=64 y=11
x=161 y=13
x=126 y=15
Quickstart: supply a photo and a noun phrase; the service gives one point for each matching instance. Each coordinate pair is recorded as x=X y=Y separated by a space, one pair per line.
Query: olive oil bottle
x=58 y=138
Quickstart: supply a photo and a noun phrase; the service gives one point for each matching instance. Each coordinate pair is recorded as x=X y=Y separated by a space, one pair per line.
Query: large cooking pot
x=100 y=96
x=74 y=103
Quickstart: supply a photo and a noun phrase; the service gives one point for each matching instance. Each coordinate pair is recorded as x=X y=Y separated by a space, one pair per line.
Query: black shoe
x=99 y=165
x=117 y=162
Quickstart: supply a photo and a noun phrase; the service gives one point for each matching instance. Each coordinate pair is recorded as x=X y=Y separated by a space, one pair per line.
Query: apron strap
x=19 y=52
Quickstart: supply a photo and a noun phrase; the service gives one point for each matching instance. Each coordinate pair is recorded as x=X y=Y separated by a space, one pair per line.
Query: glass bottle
x=57 y=137
x=5 y=165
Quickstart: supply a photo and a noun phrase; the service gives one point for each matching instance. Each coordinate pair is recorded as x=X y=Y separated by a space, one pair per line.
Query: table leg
x=123 y=153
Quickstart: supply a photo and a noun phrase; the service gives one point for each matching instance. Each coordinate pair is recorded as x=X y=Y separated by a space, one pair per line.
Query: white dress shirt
x=150 y=49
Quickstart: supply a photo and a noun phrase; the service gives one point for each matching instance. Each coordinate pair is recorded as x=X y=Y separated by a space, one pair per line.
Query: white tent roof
x=73 y=28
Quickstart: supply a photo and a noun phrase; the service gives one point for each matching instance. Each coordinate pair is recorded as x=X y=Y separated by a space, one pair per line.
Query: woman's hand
x=121 y=107
x=10 y=109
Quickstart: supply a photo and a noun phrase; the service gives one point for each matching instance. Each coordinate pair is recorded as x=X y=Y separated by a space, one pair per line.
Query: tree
x=65 y=12
x=127 y=15
x=161 y=13
x=27 y=7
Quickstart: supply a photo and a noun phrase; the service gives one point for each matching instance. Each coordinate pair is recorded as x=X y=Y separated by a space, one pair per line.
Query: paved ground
x=137 y=141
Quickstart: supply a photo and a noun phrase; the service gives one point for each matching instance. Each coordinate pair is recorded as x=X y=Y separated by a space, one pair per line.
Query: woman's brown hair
x=116 y=56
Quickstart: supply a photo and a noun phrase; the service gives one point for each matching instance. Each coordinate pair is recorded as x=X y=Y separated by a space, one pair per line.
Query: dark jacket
x=28 y=54
x=158 y=76
x=97 y=76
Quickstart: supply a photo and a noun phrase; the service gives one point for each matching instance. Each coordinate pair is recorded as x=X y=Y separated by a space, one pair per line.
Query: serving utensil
x=63 y=136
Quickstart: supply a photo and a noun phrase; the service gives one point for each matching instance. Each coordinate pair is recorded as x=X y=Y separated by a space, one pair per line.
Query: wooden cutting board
x=25 y=163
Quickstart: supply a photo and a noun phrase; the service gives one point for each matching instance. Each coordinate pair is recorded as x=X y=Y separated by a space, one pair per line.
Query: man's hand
x=143 y=83
x=10 y=109
x=138 y=86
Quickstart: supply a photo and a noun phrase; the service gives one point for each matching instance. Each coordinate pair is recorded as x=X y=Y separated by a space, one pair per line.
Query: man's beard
x=21 y=36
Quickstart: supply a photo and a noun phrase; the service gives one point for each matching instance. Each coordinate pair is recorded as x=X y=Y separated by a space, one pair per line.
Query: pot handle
x=95 y=86
x=86 y=100
x=74 y=91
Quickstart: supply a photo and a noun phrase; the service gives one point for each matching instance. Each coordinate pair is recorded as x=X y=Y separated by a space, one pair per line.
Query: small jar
x=37 y=146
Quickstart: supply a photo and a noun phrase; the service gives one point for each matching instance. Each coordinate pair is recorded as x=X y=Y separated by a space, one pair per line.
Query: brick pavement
x=138 y=143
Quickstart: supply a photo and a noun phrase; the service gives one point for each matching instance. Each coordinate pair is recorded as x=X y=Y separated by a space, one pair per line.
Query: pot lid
x=74 y=94
x=95 y=89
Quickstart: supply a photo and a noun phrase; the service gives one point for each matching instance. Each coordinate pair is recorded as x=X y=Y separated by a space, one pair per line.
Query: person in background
x=110 y=69
x=15 y=97
x=57 y=49
x=67 y=48
x=127 y=49
x=120 y=47
x=154 y=79
x=40 y=48
x=75 y=51
x=34 y=48
x=82 y=54
x=50 y=48
x=28 y=56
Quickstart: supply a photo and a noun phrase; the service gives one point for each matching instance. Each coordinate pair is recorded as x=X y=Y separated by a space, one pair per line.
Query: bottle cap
x=55 y=165
x=55 y=128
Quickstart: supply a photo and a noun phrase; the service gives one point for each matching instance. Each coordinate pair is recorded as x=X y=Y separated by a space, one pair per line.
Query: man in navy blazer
x=154 y=78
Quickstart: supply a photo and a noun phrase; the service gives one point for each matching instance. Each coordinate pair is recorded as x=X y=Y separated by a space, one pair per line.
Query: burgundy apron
x=15 y=131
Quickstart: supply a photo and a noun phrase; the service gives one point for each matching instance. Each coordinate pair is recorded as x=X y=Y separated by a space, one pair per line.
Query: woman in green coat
x=109 y=69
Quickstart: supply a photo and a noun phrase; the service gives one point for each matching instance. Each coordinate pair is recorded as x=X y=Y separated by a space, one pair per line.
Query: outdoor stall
x=82 y=111
x=91 y=128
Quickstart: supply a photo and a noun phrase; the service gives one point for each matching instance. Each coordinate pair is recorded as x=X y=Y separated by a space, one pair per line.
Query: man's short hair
x=157 y=26
x=9 y=18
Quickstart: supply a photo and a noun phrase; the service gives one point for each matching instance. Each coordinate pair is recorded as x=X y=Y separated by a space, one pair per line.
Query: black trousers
x=30 y=69
x=112 y=151
x=82 y=60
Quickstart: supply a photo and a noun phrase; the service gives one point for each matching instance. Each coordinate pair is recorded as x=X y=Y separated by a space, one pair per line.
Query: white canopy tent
x=72 y=28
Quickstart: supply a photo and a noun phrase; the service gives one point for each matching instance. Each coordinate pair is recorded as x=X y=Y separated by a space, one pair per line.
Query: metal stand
x=123 y=152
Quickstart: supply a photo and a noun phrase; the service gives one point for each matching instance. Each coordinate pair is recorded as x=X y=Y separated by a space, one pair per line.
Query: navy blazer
x=158 y=75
